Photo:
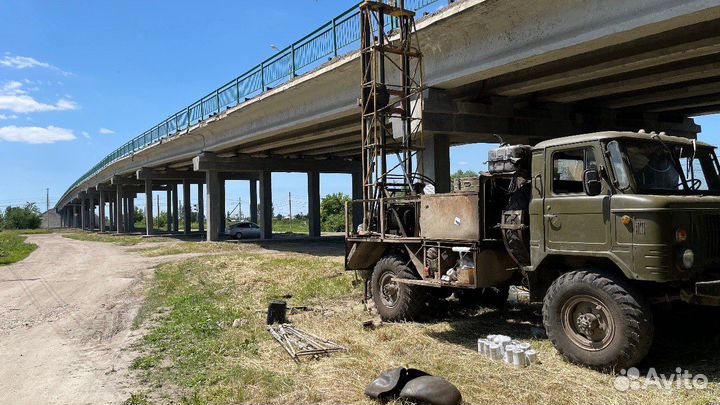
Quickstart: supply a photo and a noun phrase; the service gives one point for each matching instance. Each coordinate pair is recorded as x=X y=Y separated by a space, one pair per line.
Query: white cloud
x=7 y=117
x=85 y=134
x=36 y=135
x=106 y=131
x=26 y=62
x=14 y=98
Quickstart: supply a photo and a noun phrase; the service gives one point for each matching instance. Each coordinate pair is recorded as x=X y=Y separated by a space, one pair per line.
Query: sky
x=80 y=78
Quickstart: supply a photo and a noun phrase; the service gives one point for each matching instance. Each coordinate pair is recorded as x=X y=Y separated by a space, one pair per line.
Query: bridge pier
x=201 y=208
x=175 y=216
x=149 y=225
x=187 y=209
x=213 y=183
x=266 y=211
x=131 y=212
x=83 y=212
x=101 y=212
x=313 y=184
x=253 y=201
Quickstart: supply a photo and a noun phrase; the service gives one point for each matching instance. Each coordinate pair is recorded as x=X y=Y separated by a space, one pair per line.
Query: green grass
x=13 y=247
x=192 y=354
x=298 y=226
x=123 y=240
x=192 y=348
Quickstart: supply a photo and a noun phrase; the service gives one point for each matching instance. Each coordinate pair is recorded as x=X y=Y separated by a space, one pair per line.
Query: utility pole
x=240 y=217
x=290 y=209
x=47 y=210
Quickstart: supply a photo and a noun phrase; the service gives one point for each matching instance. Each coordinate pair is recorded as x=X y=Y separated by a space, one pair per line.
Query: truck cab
x=599 y=227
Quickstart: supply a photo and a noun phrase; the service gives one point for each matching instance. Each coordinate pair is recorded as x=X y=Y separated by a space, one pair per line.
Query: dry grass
x=176 y=248
x=192 y=354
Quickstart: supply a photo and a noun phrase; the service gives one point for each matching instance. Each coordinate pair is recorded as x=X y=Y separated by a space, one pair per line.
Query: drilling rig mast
x=391 y=101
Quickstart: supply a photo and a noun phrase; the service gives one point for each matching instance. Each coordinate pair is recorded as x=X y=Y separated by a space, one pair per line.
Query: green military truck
x=599 y=227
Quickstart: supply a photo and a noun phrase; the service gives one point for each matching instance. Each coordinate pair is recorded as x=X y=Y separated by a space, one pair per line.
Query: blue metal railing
x=336 y=37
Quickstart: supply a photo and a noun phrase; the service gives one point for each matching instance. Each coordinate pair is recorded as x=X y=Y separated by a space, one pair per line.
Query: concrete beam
x=125 y=181
x=609 y=67
x=266 y=147
x=661 y=78
x=209 y=161
x=657 y=96
x=179 y=175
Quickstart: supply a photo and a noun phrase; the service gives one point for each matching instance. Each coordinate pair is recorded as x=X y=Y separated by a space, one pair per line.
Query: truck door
x=574 y=221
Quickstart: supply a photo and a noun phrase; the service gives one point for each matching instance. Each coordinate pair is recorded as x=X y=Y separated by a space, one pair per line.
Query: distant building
x=53 y=217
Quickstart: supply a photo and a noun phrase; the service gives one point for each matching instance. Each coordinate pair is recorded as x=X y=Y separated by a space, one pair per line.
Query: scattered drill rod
x=298 y=343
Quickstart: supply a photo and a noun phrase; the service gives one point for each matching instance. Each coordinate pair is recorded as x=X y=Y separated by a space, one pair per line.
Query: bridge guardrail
x=336 y=37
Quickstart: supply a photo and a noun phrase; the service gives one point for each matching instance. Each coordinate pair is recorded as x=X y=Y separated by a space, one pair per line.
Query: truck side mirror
x=591 y=182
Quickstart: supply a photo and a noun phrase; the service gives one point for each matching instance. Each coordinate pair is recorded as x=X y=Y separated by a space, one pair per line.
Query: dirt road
x=65 y=317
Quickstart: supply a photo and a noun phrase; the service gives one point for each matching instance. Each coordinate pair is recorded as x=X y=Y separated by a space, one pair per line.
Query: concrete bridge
x=527 y=71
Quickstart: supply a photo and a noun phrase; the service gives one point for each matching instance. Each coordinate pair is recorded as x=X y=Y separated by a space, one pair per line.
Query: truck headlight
x=681 y=235
x=688 y=258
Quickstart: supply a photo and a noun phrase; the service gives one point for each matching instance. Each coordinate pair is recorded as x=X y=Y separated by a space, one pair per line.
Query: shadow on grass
x=322 y=247
x=685 y=337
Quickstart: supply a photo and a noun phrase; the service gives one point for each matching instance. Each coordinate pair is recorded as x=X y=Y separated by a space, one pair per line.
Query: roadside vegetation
x=122 y=240
x=14 y=223
x=13 y=247
x=206 y=341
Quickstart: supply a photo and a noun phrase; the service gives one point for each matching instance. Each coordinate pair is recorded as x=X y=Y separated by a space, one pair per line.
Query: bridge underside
x=559 y=69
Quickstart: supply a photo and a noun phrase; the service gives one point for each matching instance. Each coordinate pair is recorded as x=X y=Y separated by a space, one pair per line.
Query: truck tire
x=597 y=319
x=491 y=297
x=395 y=301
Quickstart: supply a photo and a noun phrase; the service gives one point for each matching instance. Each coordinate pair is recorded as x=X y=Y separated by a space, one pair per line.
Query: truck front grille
x=708 y=235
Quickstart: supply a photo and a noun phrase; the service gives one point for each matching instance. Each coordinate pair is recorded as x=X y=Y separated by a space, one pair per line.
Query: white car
x=243 y=230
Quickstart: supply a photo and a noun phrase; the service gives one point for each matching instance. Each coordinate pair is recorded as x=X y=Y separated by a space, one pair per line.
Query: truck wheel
x=597 y=319
x=395 y=301
x=491 y=297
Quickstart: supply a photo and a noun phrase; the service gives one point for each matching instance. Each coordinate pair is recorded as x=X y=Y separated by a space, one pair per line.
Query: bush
x=332 y=212
x=27 y=217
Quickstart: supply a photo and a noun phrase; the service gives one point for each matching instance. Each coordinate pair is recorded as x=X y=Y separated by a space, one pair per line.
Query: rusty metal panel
x=453 y=216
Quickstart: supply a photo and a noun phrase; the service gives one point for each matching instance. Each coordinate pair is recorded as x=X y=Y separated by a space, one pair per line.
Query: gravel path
x=65 y=317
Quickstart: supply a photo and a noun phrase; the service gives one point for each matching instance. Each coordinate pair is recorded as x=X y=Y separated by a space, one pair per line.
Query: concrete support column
x=131 y=213
x=118 y=210
x=253 y=201
x=313 y=183
x=187 y=209
x=149 y=225
x=176 y=222
x=101 y=211
x=111 y=209
x=357 y=194
x=223 y=209
x=214 y=208
x=266 y=212
x=168 y=210
x=201 y=207
x=73 y=223
x=435 y=160
x=83 y=211
x=91 y=210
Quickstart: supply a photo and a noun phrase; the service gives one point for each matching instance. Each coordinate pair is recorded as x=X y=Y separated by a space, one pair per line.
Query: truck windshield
x=666 y=168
